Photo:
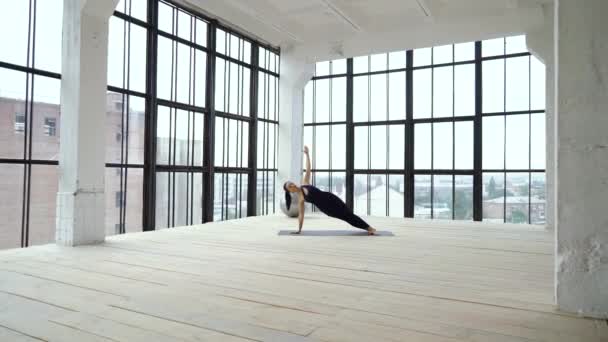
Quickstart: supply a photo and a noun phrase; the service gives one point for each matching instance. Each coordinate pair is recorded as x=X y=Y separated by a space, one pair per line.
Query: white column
x=540 y=43
x=295 y=73
x=582 y=156
x=81 y=199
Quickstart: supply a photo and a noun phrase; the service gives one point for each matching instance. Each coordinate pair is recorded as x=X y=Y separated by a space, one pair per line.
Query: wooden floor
x=241 y=281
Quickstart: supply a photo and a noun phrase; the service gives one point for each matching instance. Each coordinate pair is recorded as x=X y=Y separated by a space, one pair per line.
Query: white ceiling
x=306 y=22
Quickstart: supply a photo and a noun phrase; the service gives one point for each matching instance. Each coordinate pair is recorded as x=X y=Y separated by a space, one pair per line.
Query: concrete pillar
x=582 y=156
x=295 y=73
x=540 y=43
x=81 y=200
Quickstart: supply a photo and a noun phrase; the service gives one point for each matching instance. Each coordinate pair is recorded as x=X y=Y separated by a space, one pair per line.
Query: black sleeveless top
x=313 y=195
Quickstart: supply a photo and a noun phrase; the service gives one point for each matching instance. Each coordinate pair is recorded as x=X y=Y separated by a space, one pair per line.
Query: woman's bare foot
x=371 y=231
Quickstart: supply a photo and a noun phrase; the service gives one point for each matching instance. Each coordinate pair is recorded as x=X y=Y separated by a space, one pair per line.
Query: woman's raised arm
x=306 y=179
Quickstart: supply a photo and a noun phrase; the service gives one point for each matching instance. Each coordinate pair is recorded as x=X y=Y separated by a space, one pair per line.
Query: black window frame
x=409 y=171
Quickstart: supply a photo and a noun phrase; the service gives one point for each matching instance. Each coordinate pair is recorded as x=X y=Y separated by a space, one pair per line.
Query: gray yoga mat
x=334 y=233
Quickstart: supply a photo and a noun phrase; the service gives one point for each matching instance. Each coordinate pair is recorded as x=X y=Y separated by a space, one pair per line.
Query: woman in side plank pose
x=327 y=202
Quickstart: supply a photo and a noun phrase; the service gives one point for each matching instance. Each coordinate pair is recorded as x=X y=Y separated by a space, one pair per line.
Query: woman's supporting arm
x=300 y=214
x=307 y=174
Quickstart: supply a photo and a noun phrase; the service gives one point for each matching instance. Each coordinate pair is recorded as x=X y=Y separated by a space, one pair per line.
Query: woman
x=327 y=202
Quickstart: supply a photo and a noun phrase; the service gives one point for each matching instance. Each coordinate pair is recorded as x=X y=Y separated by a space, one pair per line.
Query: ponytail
x=287 y=196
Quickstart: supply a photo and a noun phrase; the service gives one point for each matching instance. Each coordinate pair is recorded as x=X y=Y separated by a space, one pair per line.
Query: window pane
x=162 y=202
x=230 y=196
x=322 y=180
x=378 y=140
x=396 y=147
x=231 y=142
x=517 y=143
x=493 y=86
x=12 y=113
x=360 y=98
x=396 y=96
x=537 y=86
x=538 y=143
x=493 y=142
x=322 y=100
x=493 y=197
x=181 y=206
x=11 y=202
x=165 y=69
x=338 y=99
x=463 y=198
x=308 y=141
x=132 y=207
x=422 y=146
x=396 y=188
x=201 y=32
x=378 y=97
x=422 y=196
x=442 y=197
x=221 y=42
x=516 y=44
x=361 y=64
x=200 y=74
x=443 y=92
x=464 y=52
x=46 y=118
x=422 y=56
x=396 y=60
x=518 y=83
x=537 y=199
x=322 y=68
x=378 y=62
x=49 y=23
x=442 y=145
x=338 y=146
x=442 y=54
x=360 y=195
x=15 y=19
x=184 y=25
x=338 y=66
x=182 y=133
x=163 y=135
x=361 y=147
x=493 y=47
x=338 y=184
x=463 y=145
x=422 y=93
x=464 y=90
x=517 y=197
x=322 y=151
x=116 y=46
x=265 y=197
x=137 y=53
x=165 y=17
x=377 y=195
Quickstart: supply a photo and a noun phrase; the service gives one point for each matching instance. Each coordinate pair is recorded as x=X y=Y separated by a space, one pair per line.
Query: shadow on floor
x=334 y=233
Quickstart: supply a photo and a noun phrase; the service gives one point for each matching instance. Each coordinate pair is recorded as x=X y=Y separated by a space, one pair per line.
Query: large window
x=267 y=131
x=126 y=117
x=325 y=126
x=191 y=126
x=443 y=117
x=30 y=72
x=447 y=132
x=513 y=133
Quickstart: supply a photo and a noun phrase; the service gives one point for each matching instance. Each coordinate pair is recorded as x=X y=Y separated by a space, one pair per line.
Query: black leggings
x=333 y=206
